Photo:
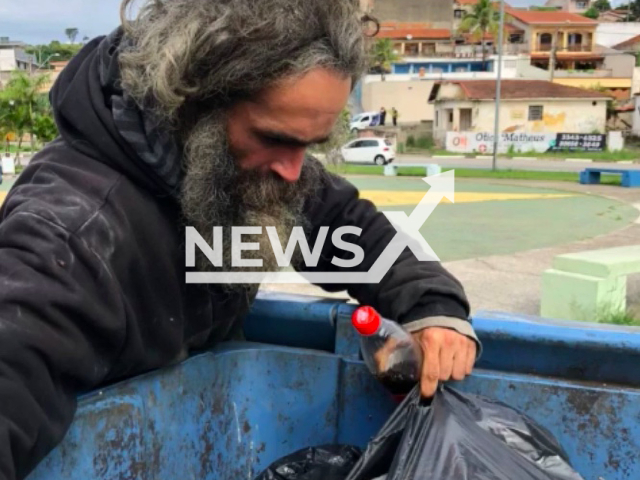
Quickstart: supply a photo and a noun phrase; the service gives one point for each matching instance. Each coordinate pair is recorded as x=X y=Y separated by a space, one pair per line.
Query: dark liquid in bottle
x=400 y=380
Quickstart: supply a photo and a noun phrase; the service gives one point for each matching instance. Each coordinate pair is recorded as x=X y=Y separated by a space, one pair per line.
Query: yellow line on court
x=391 y=198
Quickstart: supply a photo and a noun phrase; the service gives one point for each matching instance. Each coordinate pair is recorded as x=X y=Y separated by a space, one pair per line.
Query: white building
x=13 y=56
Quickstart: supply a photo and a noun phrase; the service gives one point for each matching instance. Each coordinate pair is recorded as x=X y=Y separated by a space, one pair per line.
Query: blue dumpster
x=297 y=381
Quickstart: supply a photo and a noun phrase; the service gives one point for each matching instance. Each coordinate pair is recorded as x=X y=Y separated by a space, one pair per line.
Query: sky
x=41 y=21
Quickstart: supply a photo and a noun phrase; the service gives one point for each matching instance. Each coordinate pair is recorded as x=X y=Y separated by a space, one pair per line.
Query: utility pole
x=496 y=127
x=552 y=57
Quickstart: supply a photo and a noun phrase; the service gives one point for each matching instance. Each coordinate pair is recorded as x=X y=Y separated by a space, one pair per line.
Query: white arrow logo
x=407 y=236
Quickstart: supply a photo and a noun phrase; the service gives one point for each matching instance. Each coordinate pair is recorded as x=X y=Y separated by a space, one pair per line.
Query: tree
x=483 y=20
x=44 y=127
x=601 y=5
x=383 y=55
x=55 y=49
x=339 y=136
x=25 y=100
x=71 y=34
x=592 y=13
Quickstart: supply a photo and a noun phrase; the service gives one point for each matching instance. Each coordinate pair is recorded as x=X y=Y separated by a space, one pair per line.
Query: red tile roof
x=543 y=17
x=628 y=43
x=522 y=89
x=416 y=33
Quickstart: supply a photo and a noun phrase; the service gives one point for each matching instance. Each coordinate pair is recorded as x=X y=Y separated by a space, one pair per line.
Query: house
x=612 y=16
x=436 y=13
x=417 y=39
x=630 y=45
x=572 y=6
x=408 y=87
x=13 y=56
x=527 y=106
x=574 y=45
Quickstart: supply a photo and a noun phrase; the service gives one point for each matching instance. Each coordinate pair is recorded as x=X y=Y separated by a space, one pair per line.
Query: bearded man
x=193 y=113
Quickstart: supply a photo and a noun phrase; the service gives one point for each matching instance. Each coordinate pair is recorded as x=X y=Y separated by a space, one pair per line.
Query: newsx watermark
x=407 y=236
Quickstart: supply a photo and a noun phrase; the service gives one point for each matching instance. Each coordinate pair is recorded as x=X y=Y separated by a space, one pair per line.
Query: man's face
x=245 y=166
x=271 y=133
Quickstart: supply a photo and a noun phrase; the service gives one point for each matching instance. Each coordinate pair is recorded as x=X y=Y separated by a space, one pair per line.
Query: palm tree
x=71 y=34
x=24 y=96
x=483 y=19
x=383 y=55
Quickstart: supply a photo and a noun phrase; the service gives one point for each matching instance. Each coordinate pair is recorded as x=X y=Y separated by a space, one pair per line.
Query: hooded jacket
x=92 y=275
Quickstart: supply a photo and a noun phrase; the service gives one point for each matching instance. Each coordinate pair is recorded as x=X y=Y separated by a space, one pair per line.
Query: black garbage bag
x=461 y=437
x=327 y=462
x=457 y=436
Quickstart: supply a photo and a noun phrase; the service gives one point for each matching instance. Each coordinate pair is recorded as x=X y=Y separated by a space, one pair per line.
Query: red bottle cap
x=366 y=320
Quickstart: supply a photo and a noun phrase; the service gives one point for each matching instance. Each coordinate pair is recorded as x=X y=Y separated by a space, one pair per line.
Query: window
x=458 y=13
x=369 y=143
x=582 y=5
x=535 y=112
x=451 y=116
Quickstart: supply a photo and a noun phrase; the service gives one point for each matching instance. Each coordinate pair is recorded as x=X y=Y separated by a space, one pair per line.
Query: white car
x=364 y=120
x=368 y=150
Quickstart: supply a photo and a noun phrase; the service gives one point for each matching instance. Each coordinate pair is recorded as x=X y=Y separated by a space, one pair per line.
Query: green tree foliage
x=24 y=108
x=592 y=13
x=54 y=51
x=482 y=20
x=602 y=5
x=383 y=55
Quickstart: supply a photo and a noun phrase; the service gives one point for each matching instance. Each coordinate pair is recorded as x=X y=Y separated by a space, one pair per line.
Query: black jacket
x=92 y=276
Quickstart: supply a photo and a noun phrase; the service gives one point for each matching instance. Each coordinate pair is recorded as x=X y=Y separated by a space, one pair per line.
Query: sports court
x=492 y=219
x=496 y=219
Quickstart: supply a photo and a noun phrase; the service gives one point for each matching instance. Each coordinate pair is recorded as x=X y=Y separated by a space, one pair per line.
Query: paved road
x=509 y=164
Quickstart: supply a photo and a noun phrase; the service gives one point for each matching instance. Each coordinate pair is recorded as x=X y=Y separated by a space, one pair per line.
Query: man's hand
x=447 y=355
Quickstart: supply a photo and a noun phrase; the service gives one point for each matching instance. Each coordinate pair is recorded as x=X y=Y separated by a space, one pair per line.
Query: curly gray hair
x=220 y=51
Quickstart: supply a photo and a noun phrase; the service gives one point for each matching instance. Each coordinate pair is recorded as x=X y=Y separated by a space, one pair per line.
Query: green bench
x=587 y=285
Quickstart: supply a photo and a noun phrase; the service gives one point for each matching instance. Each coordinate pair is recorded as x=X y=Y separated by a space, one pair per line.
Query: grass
x=620 y=318
x=471 y=173
x=619 y=155
x=616 y=156
x=13 y=148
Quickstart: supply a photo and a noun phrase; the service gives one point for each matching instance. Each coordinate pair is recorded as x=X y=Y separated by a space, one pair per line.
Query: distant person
x=383 y=116
x=394 y=116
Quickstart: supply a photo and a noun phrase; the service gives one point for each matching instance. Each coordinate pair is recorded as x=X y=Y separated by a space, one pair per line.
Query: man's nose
x=289 y=164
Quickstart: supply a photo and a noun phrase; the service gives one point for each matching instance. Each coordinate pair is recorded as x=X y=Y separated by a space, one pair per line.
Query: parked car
x=364 y=120
x=368 y=150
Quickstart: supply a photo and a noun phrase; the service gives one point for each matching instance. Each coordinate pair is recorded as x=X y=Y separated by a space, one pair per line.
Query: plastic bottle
x=390 y=352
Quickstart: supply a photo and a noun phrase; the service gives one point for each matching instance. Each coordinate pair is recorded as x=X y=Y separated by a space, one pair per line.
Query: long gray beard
x=216 y=192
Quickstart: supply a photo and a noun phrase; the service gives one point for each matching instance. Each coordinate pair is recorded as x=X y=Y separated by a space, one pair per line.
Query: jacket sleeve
x=411 y=291
x=61 y=326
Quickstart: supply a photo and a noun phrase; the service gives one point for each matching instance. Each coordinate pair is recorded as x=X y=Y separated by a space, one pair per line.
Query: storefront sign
x=482 y=142
x=581 y=141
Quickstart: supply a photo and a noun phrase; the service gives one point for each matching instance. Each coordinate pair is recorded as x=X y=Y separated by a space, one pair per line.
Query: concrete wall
x=410 y=98
x=610 y=34
x=571 y=116
x=437 y=13
x=635 y=82
x=7 y=60
x=621 y=65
